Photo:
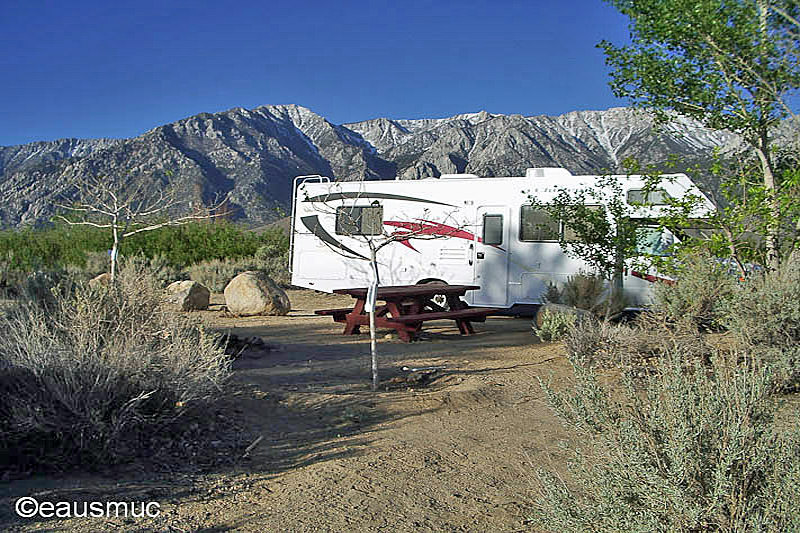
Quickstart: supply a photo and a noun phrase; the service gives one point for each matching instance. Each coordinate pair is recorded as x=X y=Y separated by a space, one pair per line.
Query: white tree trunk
x=114 y=251
x=373 y=344
x=773 y=223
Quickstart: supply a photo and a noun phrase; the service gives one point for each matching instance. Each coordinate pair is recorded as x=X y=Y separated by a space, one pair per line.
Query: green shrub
x=91 y=379
x=158 y=267
x=269 y=251
x=216 y=274
x=699 y=297
x=61 y=245
x=765 y=311
x=584 y=291
x=97 y=263
x=555 y=325
x=10 y=279
x=552 y=295
x=603 y=344
x=698 y=449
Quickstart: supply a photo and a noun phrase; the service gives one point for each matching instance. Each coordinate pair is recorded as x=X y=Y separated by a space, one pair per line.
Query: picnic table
x=407 y=307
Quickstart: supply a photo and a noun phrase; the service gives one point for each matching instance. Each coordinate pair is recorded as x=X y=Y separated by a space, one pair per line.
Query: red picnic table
x=407 y=307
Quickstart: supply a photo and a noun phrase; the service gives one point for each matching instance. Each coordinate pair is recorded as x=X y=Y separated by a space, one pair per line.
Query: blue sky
x=119 y=68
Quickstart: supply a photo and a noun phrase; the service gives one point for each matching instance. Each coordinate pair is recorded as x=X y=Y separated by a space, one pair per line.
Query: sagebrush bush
x=589 y=292
x=765 y=310
x=90 y=378
x=584 y=291
x=605 y=344
x=217 y=273
x=158 y=267
x=552 y=295
x=97 y=263
x=700 y=295
x=698 y=450
x=555 y=325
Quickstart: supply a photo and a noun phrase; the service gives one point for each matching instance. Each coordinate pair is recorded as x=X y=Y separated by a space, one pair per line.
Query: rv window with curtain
x=569 y=234
x=654 y=241
x=536 y=225
x=354 y=220
x=654 y=197
x=493 y=229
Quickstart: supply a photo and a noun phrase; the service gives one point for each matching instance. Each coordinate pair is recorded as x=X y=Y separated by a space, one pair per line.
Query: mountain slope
x=253 y=155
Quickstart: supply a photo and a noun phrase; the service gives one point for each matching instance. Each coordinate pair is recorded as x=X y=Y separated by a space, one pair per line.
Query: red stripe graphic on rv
x=427 y=227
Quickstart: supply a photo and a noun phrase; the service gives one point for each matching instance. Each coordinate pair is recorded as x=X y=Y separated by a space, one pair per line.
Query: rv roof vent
x=547 y=172
x=457 y=176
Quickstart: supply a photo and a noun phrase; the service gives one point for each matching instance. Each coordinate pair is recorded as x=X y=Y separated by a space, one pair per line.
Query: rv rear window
x=537 y=225
x=493 y=229
x=354 y=220
x=653 y=197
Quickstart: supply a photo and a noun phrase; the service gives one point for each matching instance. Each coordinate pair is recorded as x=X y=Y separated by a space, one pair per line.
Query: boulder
x=103 y=280
x=254 y=293
x=188 y=295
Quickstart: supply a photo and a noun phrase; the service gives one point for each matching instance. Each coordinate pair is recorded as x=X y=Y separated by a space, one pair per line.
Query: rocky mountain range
x=253 y=155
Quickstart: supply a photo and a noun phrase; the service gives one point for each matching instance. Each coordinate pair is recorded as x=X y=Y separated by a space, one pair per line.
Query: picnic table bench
x=407 y=307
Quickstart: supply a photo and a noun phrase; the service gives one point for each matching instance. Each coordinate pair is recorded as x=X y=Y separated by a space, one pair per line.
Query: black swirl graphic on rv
x=312 y=224
x=355 y=194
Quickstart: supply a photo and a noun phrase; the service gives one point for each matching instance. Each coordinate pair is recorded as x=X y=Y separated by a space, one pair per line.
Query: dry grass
x=87 y=374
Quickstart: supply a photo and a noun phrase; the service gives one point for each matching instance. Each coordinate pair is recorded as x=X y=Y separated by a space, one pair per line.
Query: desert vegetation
x=683 y=418
x=206 y=252
x=94 y=375
x=695 y=435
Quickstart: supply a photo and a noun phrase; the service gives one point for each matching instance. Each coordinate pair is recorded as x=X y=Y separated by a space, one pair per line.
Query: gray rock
x=101 y=280
x=188 y=296
x=254 y=293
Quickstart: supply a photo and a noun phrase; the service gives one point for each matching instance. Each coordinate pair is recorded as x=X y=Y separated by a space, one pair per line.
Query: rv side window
x=359 y=220
x=654 y=241
x=654 y=197
x=536 y=225
x=493 y=229
x=569 y=233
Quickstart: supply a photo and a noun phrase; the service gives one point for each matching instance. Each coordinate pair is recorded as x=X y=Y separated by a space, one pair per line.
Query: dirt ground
x=455 y=454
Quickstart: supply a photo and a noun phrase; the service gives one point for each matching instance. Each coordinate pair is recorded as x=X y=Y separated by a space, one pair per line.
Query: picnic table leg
x=465 y=326
x=404 y=332
x=455 y=302
x=352 y=327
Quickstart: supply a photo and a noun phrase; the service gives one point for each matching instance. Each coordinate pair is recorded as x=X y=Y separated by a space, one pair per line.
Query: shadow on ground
x=306 y=400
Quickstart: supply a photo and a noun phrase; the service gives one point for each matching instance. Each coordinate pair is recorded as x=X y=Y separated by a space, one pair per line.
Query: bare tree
x=364 y=222
x=126 y=211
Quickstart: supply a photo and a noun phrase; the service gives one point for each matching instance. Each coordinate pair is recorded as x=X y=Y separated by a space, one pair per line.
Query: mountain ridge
x=252 y=155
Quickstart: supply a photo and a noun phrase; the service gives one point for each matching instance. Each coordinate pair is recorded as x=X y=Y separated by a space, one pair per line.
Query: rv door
x=491 y=256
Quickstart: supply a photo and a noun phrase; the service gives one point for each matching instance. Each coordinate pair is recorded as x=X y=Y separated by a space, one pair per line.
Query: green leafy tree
x=600 y=227
x=736 y=229
x=728 y=63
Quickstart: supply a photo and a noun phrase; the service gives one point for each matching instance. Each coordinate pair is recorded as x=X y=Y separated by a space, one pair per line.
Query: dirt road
x=457 y=454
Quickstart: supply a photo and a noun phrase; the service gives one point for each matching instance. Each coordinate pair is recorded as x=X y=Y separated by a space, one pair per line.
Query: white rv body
x=460 y=207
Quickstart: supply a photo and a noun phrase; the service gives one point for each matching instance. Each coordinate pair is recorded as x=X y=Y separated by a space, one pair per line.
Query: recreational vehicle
x=456 y=229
